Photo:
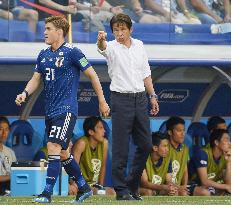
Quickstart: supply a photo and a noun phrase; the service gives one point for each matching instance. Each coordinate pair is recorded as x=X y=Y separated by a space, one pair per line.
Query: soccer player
x=91 y=152
x=157 y=176
x=179 y=153
x=59 y=67
x=210 y=167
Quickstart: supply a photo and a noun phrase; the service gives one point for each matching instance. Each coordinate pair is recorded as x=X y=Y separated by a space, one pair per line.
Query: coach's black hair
x=121 y=19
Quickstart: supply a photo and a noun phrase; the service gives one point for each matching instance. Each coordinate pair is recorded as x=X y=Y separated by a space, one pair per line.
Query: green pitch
x=103 y=200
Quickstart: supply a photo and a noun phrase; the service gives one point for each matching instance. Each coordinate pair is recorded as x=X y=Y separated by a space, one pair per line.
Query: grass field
x=102 y=200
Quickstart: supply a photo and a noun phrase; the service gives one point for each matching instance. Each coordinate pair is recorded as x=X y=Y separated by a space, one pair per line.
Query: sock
x=73 y=170
x=52 y=173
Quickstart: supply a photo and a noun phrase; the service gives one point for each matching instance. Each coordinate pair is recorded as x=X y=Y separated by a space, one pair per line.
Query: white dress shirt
x=127 y=67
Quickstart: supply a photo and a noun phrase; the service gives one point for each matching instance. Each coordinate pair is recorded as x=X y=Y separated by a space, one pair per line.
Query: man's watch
x=153 y=95
x=26 y=93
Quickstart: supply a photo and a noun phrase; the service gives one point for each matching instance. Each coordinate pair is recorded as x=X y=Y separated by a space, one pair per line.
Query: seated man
x=210 y=166
x=175 y=12
x=91 y=151
x=179 y=153
x=157 y=176
x=18 y=13
x=7 y=156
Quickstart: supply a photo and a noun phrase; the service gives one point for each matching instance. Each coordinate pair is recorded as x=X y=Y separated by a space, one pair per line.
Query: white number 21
x=50 y=74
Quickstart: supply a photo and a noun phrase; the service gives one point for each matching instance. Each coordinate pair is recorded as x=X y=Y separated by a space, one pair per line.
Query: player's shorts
x=60 y=129
x=192 y=186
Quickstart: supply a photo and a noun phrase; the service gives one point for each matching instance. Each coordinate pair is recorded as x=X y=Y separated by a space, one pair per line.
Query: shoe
x=124 y=197
x=81 y=196
x=136 y=196
x=227 y=193
x=43 y=198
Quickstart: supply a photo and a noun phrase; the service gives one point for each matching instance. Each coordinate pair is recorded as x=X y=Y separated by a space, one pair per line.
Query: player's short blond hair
x=59 y=22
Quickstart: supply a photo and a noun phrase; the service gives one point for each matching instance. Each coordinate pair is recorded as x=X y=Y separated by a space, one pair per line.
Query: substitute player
x=59 y=67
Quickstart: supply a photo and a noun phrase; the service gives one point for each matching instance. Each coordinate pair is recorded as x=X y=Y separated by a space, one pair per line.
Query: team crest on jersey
x=59 y=61
x=156 y=179
x=61 y=53
x=175 y=170
x=43 y=60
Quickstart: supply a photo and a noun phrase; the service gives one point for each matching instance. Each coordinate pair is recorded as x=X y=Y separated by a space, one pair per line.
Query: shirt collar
x=159 y=162
x=179 y=148
x=123 y=46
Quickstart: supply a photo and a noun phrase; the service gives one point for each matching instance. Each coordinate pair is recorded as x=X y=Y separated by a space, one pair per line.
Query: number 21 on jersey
x=50 y=74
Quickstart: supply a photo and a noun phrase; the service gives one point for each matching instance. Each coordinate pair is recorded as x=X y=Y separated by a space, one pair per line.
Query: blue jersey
x=60 y=71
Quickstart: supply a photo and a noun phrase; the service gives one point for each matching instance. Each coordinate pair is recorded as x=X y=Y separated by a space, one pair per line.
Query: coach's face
x=52 y=34
x=122 y=33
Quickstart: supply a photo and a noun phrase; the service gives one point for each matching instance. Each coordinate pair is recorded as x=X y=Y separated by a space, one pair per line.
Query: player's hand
x=104 y=109
x=102 y=36
x=227 y=156
x=154 y=106
x=20 y=99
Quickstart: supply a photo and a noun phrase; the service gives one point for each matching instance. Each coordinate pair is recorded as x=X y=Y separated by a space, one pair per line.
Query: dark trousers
x=129 y=118
x=4 y=186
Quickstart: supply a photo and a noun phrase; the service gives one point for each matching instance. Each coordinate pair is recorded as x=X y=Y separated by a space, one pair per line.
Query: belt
x=132 y=95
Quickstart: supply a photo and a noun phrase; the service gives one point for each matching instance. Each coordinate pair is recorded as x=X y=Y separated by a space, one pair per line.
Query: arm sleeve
x=38 y=61
x=79 y=59
x=200 y=159
x=146 y=66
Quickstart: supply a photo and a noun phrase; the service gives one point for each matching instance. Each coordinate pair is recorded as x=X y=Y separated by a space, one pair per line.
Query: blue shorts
x=60 y=129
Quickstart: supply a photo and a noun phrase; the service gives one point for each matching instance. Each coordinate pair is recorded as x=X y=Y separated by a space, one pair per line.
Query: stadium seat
x=163 y=128
x=197 y=136
x=24 y=140
x=4 y=32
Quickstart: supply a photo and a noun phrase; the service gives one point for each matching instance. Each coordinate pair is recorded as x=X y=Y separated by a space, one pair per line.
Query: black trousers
x=4 y=186
x=129 y=118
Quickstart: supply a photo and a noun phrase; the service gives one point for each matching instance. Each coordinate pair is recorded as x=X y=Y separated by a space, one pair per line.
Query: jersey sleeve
x=79 y=59
x=200 y=159
x=38 y=61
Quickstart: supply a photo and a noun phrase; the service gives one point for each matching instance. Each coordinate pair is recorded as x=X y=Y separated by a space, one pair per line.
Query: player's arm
x=205 y=181
x=78 y=149
x=51 y=4
x=148 y=185
x=31 y=86
x=103 y=168
x=185 y=177
x=4 y=178
x=103 y=106
x=227 y=178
